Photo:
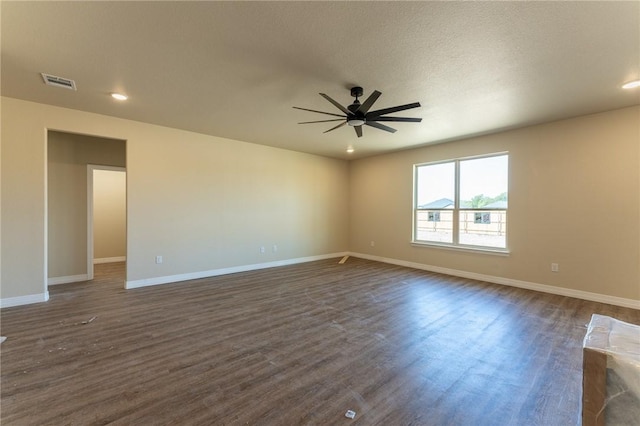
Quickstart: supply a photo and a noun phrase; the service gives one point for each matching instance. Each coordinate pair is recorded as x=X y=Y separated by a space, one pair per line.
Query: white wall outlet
x=372 y=243
x=555 y=267
x=158 y=259
x=274 y=248
x=261 y=249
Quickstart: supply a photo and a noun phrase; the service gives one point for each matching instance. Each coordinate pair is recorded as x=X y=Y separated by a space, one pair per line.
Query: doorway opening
x=71 y=161
x=106 y=216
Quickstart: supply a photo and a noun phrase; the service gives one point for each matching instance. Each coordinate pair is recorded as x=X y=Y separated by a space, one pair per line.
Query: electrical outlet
x=158 y=259
x=555 y=267
x=372 y=243
x=274 y=248
x=262 y=250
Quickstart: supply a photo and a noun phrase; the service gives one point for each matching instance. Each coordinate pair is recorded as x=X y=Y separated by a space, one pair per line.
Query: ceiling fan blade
x=320 y=112
x=358 y=130
x=321 y=121
x=366 y=105
x=336 y=104
x=380 y=126
x=399 y=119
x=384 y=111
x=333 y=128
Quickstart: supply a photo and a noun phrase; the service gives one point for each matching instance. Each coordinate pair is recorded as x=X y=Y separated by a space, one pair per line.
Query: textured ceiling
x=235 y=69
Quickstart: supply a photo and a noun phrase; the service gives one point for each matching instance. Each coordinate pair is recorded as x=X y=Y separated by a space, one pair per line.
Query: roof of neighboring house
x=437 y=204
x=497 y=205
x=443 y=203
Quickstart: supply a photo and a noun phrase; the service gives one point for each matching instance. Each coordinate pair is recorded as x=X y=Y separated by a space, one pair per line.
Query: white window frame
x=455 y=244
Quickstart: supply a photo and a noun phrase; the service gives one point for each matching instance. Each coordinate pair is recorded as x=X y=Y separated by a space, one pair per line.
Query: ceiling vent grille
x=52 y=80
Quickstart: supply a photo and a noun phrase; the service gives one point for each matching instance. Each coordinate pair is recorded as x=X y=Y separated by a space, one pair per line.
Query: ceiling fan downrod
x=356 y=119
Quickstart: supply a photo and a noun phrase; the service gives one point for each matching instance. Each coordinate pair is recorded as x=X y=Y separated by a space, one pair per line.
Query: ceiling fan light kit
x=357 y=114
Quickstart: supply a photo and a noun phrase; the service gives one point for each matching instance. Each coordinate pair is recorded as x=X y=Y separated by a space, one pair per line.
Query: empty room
x=320 y=213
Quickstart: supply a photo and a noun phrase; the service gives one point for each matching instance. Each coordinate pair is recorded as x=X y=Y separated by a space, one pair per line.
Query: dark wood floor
x=296 y=345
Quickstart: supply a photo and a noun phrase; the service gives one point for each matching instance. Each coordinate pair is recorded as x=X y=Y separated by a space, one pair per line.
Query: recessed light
x=350 y=150
x=119 y=96
x=631 y=84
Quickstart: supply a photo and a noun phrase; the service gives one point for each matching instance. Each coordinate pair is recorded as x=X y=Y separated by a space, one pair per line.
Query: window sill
x=468 y=249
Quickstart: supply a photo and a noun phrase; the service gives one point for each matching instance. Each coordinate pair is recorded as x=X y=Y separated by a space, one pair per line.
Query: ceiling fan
x=357 y=114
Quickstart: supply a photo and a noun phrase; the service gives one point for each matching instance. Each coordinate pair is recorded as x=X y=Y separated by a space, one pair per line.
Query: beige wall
x=0 y=205
x=201 y=202
x=109 y=214
x=566 y=178
x=68 y=157
x=207 y=203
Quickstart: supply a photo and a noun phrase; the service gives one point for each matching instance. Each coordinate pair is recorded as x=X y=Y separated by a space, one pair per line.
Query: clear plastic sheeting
x=611 y=373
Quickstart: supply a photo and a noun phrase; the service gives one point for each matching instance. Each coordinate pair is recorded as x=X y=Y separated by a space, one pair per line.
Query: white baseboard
x=109 y=259
x=223 y=271
x=560 y=291
x=67 y=279
x=579 y=294
x=24 y=300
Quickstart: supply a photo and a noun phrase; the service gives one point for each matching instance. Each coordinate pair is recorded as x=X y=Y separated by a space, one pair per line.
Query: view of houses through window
x=462 y=202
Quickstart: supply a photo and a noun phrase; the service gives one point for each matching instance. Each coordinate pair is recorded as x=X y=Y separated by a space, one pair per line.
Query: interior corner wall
x=109 y=214
x=68 y=157
x=202 y=202
x=574 y=199
x=0 y=207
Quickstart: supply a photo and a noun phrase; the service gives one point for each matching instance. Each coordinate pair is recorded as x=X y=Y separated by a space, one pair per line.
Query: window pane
x=484 y=183
x=483 y=228
x=435 y=186
x=434 y=226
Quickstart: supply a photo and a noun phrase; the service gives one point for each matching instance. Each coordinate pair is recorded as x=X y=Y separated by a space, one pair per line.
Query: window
x=462 y=202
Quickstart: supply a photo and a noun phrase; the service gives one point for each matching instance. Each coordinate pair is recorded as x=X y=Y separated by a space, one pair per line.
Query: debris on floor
x=2 y=339
x=344 y=259
x=87 y=322
x=350 y=414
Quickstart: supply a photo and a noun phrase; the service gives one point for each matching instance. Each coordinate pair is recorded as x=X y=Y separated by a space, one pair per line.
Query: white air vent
x=52 y=80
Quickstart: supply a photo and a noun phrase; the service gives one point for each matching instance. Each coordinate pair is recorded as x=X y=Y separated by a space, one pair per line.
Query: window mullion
x=456 y=204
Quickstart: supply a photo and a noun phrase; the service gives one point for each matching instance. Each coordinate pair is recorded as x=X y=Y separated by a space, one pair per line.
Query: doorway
x=106 y=215
x=70 y=247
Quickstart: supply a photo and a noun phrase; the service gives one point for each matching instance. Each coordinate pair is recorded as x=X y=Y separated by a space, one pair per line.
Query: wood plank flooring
x=296 y=345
